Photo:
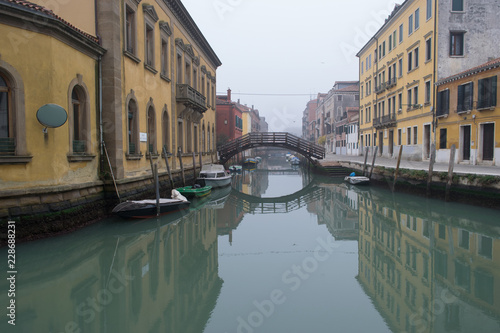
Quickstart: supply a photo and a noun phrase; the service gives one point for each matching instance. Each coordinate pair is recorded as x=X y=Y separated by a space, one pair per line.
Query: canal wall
x=47 y=211
x=480 y=190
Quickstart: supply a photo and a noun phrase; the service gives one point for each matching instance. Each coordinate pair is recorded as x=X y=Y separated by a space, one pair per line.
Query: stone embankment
x=473 y=184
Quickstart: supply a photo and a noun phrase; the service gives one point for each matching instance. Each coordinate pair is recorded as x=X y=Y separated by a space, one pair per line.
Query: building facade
x=158 y=85
x=421 y=42
x=38 y=159
x=467 y=115
x=229 y=119
x=147 y=81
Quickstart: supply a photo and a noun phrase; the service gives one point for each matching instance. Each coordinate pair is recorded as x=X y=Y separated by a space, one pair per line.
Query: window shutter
x=460 y=99
x=446 y=102
x=493 y=91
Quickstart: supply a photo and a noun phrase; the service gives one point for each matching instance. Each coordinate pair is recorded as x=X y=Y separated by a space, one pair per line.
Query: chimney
x=229 y=95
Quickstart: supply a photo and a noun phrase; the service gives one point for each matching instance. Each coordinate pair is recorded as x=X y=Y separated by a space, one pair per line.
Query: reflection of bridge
x=284 y=204
x=270 y=139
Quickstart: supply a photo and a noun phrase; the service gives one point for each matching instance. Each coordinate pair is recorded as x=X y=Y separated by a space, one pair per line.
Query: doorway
x=465 y=134
x=488 y=141
x=381 y=142
x=427 y=141
x=391 y=142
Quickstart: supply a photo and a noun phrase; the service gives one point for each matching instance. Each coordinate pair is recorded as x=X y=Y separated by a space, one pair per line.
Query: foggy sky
x=286 y=47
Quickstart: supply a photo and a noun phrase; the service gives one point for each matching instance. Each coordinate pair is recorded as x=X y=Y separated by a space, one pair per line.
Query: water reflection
x=429 y=266
x=146 y=276
x=422 y=265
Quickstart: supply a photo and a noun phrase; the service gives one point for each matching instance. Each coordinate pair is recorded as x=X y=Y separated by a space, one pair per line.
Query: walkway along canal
x=268 y=256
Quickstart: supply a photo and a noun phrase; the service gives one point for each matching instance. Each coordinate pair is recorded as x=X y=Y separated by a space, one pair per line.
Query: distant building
x=310 y=127
x=264 y=126
x=229 y=118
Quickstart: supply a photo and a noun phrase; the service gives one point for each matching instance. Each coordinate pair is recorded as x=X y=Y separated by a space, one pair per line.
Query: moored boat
x=235 y=168
x=214 y=175
x=357 y=180
x=250 y=161
x=142 y=209
x=198 y=190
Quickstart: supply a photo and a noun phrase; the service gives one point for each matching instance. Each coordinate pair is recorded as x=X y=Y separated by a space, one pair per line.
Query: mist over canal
x=280 y=251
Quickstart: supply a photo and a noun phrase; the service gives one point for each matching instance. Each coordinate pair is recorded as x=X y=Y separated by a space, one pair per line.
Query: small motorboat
x=295 y=160
x=357 y=180
x=214 y=175
x=142 y=209
x=198 y=190
x=235 y=168
x=250 y=161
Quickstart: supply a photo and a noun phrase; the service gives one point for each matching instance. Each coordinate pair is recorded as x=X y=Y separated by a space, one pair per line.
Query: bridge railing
x=278 y=139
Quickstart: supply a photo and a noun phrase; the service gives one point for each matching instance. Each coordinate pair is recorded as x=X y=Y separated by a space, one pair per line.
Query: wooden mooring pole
x=366 y=159
x=431 y=168
x=194 y=165
x=397 y=168
x=179 y=153
x=373 y=161
x=165 y=154
x=450 y=172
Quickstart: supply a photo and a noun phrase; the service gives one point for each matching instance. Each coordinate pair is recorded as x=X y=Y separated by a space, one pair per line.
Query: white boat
x=357 y=180
x=215 y=175
x=295 y=160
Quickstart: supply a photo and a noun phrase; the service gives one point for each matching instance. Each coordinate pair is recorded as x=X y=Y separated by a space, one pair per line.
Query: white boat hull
x=217 y=182
x=357 y=180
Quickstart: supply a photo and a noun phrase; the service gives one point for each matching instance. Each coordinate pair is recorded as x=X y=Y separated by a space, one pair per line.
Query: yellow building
x=467 y=114
x=158 y=85
x=45 y=61
x=421 y=42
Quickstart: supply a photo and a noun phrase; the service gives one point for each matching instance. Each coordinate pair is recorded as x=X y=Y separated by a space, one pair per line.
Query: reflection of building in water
x=134 y=277
x=229 y=218
x=339 y=211
x=428 y=272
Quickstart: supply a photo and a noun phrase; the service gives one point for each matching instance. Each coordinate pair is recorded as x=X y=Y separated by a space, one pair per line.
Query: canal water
x=281 y=250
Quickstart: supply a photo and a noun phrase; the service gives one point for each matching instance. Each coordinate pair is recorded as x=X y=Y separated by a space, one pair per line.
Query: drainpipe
x=376 y=96
x=434 y=88
x=99 y=61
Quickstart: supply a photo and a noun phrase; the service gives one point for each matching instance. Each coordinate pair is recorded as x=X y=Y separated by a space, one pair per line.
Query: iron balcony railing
x=385 y=121
x=189 y=96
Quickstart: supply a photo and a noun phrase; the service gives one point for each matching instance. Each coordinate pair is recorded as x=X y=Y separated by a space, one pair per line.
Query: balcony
x=191 y=98
x=385 y=121
x=380 y=88
x=391 y=83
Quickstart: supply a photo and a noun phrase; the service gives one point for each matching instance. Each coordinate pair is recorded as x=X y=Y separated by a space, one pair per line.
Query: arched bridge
x=270 y=139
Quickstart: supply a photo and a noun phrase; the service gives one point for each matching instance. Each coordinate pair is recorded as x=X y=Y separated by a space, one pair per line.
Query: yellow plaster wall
x=47 y=74
x=405 y=118
x=81 y=13
x=147 y=85
x=454 y=120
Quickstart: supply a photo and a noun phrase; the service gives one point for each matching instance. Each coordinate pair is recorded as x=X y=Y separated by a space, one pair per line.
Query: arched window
x=7 y=144
x=208 y=137
x=133 y=128
x=164 y=130
x=213 y=137
x=79 y=119
x=151 y=131
x=203 y=137
x=12 y=117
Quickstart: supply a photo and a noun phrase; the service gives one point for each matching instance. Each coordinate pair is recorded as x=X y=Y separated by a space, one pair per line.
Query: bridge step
x=336 y=171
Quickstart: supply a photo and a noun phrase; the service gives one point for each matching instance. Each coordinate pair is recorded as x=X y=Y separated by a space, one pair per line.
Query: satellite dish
x=51 y=115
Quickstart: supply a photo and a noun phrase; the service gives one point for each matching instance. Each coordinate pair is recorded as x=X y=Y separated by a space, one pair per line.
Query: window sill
x=150 y=68
x=164 y=77
x=457 y=56
x=154 y=156
x=131 y=56
x=80 y=158
x=15 y=159
x=487 y=108
x=133 y=157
